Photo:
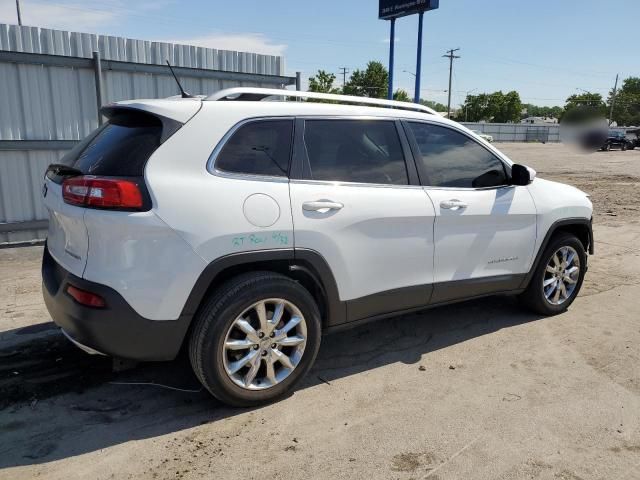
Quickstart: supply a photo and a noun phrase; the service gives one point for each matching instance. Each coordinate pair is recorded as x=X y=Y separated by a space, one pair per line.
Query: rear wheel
x=255 y=339
x=558 y=277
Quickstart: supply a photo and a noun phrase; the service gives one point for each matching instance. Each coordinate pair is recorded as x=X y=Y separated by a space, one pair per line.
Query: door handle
x=321 y=206
x=453 y=204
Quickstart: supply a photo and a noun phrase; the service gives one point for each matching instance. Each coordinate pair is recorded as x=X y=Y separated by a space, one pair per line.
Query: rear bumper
x=116 y=330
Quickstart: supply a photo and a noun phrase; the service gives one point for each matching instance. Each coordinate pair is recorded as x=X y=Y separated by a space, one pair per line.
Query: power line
x=451 y=56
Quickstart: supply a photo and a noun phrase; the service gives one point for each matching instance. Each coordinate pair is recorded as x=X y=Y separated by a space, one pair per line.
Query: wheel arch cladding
x=305 y=266
x=580 y=230
x=580 y=227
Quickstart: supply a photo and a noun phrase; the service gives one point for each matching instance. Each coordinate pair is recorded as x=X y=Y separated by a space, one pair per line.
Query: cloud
x=68 y=16
x=241 y=42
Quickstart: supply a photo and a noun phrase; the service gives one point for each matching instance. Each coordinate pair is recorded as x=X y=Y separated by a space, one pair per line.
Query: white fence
x=517 y=132
x=49 y=99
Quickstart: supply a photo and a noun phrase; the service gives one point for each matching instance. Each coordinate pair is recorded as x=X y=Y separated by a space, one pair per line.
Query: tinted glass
x=355 y=151
x=258 y=148
x=451 y=159
x=120 y=147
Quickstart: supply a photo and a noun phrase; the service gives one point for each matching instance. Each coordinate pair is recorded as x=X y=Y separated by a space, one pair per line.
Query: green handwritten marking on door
x=280 y=238
x=257 y=239
x=275 y=239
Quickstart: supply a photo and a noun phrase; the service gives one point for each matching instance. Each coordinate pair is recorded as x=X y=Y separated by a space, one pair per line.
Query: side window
x=451 y=159
x=364 y=151
x=261 y=147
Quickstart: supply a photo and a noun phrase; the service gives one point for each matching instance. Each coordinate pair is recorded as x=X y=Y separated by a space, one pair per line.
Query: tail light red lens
x=102 y=192
x=86 y=298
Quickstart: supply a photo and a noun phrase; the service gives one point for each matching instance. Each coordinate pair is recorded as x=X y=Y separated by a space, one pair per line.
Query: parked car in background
x=173 y=224
x=617 y=139
x=633 y=135
x=484 y=136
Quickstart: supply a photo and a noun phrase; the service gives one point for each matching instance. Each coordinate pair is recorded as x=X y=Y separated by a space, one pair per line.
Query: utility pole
x=18 y=10
x=450 y=56
x=613 y=100
x=345 y=70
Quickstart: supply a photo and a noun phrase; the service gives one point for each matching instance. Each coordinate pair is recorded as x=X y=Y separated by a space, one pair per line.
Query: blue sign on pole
x=399 y=8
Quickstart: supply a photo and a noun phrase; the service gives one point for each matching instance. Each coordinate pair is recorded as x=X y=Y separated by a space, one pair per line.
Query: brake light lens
x=86 y=298
x=102 y=192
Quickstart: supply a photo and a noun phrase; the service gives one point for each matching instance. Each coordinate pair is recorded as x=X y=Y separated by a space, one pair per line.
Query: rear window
x=261 y=147
x=120 y=147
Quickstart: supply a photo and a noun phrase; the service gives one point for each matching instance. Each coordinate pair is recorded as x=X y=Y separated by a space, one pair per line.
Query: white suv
x=244 y=229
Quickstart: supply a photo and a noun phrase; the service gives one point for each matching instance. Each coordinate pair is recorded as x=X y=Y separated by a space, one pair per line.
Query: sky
x=544 y=49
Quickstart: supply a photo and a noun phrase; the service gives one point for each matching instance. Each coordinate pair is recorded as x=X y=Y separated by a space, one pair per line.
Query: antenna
x=182 y=92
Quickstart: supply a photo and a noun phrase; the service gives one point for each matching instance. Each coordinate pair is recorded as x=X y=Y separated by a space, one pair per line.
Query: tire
x=623 y=148
x=534 y=296
x=216 y=345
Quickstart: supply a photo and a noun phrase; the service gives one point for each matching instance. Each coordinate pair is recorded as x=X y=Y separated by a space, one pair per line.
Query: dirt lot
x=481 y=390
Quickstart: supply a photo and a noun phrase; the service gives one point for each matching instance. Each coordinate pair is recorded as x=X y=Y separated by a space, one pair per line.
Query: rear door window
x=120 y=147
x=261 y=147
x=362 y=151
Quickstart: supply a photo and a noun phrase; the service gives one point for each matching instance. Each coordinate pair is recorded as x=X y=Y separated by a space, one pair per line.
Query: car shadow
x=58 y=402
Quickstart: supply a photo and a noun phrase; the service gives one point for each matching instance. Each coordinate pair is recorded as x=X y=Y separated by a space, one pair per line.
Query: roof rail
x=256 y=94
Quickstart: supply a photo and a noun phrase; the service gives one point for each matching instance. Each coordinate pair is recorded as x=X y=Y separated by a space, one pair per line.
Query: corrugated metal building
x=49 y=99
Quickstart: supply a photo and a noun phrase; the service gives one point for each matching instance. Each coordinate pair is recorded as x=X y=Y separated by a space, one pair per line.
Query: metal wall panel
x=51 y=102
x=513 y=132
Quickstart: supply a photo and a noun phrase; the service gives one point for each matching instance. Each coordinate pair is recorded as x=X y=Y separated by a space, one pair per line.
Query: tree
x=372 y=82
x=540 y=111
x=583 y=107
x=508 y=108
x=438 y=107
x=492 y=107
x=323 y=83
x=402 y=96
x=626 y=108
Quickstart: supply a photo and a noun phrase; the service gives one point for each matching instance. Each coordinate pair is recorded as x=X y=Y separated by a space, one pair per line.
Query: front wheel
x=558 y=277
x=255 y=339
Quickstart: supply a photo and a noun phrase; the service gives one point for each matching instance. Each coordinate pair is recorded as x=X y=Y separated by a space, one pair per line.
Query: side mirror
x=521 y=175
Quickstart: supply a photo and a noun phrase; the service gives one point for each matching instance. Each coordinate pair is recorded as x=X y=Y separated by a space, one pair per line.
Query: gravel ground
x=480 y=390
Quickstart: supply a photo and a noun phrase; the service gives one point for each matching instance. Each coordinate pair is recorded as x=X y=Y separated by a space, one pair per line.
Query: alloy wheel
x=561 y=275
x=264 y=344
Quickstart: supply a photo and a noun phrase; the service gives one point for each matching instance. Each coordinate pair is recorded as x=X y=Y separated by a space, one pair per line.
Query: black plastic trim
x=445 y=292
x=389 y=301
x=409 y=161
x=469 y=287
x=552 y=229
x=310 y=259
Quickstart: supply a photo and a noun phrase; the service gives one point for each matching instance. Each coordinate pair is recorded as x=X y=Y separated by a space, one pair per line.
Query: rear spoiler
x=169 y=125
x=180 y=110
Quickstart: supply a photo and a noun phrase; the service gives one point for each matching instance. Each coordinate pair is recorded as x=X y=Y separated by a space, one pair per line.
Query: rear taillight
x=102 y=192
x=86 y=298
